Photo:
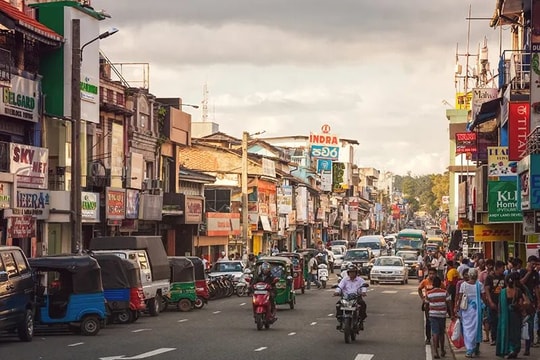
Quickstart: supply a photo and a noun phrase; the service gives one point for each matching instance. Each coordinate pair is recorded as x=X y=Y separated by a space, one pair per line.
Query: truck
x=149 y=254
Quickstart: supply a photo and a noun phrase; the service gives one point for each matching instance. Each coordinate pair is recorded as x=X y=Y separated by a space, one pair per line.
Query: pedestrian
x=420 y=266
x=331 y=259
x=530 y=281
x=313 y=267
x=473 y=293
x=452 y=278
x=494 y=284
x=510 y=319
x=423 y=288
x=439 y=303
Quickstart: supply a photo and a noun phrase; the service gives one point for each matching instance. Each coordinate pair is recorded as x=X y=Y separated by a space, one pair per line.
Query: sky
x=379 y=72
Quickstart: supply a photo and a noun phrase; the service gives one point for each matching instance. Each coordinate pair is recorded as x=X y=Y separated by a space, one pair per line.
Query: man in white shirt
x=352 y=284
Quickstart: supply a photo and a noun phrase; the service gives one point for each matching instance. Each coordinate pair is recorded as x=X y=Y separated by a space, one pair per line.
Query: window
x=9 y=263
x=22 y=267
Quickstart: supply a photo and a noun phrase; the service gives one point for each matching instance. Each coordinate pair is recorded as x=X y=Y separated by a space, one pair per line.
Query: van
x=16 y=293
x=376 y=243
x=410 y=239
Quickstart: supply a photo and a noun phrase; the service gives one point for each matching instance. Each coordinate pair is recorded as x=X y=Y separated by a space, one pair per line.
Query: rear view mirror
x=3 y=276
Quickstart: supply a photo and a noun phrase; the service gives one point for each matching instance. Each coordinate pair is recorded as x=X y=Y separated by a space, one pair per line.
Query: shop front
x=223 y=233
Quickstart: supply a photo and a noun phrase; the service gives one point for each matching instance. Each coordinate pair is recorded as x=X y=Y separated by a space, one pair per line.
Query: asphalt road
x=225 y=330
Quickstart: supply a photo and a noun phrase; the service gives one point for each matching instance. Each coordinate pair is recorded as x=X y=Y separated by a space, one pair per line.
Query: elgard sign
x=21 y=100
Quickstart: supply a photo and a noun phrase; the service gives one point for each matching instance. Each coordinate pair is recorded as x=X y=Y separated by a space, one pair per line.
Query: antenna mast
x=205 y=103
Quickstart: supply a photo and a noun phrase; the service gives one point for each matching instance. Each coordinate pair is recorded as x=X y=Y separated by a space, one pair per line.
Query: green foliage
x=424 y=193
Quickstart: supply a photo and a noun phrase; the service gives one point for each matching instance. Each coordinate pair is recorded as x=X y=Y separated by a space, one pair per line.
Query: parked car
x=339 y=242
x=16 y=293
x=339 y=252
x=359 y=257
x=227 y=267
x=411 y=260
x=389 y=269
x=376 y=243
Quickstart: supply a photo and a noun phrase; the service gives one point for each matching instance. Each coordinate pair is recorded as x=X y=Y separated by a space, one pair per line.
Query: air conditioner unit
x=146 y=184
x=157 y=184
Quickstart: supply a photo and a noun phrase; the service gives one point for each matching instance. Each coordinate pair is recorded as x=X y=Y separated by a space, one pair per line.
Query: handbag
x=464 y=302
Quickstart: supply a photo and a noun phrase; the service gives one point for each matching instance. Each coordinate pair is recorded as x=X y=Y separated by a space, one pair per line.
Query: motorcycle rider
x=352 y=284
x=267 y=277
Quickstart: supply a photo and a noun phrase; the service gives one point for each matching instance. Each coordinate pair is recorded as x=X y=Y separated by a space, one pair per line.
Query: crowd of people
x=496 y=302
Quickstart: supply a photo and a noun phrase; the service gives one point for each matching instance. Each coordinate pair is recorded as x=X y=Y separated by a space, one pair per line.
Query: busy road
x=225 y=330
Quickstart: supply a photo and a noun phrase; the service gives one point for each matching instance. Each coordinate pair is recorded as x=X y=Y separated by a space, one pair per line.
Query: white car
x=228 y=267
x=339 y=252
x=389 y=269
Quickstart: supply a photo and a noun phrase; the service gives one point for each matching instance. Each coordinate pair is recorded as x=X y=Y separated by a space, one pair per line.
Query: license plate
x=323 y=272
x=260 y=292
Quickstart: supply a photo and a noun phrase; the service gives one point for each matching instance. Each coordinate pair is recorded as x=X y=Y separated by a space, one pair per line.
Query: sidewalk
x=486 y=350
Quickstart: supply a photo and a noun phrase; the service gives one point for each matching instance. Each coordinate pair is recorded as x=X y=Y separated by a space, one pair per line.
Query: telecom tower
x=205 y=103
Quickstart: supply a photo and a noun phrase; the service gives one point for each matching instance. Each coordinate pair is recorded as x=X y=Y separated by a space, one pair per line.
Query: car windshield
x=414 y=244
x=227 y=267
x=373 y=245
x=337 y=251
x=407 y=256
x=389 y=261
x=356 y=255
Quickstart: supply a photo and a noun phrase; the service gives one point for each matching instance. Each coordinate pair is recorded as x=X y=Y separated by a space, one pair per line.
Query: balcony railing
x=533 y=141
x=515 y=69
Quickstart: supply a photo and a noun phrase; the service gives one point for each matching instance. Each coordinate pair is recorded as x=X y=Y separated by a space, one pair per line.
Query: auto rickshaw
x=69 y=292
x=282 y=268
x=182 y=293
x=201 y=286
x=122 y=288
x=298 y=269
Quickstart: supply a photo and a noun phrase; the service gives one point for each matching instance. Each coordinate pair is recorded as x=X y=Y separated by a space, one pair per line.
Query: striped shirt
x=437 y=299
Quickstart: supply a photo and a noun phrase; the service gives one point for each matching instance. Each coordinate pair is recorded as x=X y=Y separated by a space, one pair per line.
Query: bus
x=410 y=239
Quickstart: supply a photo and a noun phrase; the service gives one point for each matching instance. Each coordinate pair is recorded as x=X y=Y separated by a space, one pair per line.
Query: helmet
x=352 y=268
x=265 y=267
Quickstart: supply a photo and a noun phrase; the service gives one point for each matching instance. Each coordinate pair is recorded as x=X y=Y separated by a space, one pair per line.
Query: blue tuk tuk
x=69 y=292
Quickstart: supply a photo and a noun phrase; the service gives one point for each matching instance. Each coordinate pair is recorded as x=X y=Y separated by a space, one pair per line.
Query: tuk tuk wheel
x=184 y=305
x=25 y=331
x=90 y=325
x=291 y=304
x=135 y=314
x=164 y=304
x=125 y=317
x=199 y=303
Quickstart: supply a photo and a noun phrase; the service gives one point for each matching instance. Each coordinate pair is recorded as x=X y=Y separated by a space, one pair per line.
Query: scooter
x=262 y=307
x=322 y=274
x=349 y=316
x=242 y=286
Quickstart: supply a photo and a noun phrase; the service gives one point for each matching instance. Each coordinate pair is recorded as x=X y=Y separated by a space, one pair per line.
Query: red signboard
x=21 y=227
x=465 y=142
x=518 y=129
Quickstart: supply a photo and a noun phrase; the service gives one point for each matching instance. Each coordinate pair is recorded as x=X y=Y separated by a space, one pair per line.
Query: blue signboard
x=324 y=165
x=325 y=152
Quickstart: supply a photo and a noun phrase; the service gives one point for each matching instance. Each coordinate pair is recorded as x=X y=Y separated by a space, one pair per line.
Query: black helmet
x=352 y=267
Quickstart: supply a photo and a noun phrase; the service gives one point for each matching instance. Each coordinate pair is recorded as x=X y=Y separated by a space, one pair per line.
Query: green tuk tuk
x=282 y=268
x=182 y=292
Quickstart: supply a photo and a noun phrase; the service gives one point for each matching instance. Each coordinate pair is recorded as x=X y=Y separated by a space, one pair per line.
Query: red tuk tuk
x=201 y=286
x=298 y=269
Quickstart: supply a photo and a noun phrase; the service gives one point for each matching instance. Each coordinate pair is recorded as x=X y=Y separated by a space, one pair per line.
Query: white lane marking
x=413 y=293
x=216 y=312
x=428 y=352
x=364 y=356
x=140 y=356
x=76 y=344
x=313 y=323
x=242 y=304
x=140 y=330
x=261 y=348
x=182 y=320
x=389 y=292
x=330 y=314
x=291 y=334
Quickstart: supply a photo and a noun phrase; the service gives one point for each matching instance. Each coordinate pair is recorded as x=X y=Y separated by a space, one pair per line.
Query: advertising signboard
x=30 y=164
x=465 y=142
x=503 y=202
x=518 y=130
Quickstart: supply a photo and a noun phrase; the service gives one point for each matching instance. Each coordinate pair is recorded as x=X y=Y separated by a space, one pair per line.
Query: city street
x=225 y=330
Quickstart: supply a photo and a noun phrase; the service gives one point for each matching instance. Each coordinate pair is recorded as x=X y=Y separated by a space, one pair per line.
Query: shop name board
x=20 y=100
x=323 y=139
x=518 y=130
x=465 y=142
x=32 y=202
x=325 y=152
x=504 y=202
x=115 y=204
x=30 y=165
x=89 y=206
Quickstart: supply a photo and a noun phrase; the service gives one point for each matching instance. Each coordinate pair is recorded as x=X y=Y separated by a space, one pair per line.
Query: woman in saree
x=510 y=318
x=471 y=314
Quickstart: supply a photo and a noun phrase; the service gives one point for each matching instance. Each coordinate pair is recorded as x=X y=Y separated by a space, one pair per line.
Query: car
x=339 y=252
x=389 y=269
x=339 y=242
x=16 y=293
x=411 y=259
x=376 y=243
x=227 y=267
x=359 y=257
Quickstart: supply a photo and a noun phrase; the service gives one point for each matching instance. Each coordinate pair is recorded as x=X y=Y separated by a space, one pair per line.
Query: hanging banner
x=518 y=130
x=498 y=163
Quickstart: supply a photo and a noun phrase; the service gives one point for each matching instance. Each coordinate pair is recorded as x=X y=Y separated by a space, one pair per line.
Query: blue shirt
x=349 y=286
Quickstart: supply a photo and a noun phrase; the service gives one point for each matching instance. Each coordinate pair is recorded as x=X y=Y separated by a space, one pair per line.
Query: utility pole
x=76 y=211
x=244 y=179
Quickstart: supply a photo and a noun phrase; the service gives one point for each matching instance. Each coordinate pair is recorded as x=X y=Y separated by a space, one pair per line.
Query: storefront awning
x=265 y=222
x=488 y=111
x=14 y=19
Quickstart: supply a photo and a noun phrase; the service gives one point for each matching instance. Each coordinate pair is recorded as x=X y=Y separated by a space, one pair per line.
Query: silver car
x=228 y=267
x=389 y=269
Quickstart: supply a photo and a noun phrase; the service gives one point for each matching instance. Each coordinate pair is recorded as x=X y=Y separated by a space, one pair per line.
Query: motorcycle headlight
x=345 y=303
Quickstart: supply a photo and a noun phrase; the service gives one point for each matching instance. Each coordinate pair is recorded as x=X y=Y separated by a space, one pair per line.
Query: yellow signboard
x=463 y=102
x=493 y=232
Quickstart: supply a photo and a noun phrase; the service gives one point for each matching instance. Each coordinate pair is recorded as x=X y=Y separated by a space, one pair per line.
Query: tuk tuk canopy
x=181 y=269
x=198 y=267
x=84 y=270
x=118 y=273
x=281 y=266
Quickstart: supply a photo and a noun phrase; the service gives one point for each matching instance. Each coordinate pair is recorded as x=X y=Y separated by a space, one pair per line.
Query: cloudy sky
x=375 y=71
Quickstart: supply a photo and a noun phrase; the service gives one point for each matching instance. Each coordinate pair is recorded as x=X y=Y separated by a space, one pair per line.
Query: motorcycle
x=262 y=307
x=242 y=286
x=322 y=274
x=348 y=314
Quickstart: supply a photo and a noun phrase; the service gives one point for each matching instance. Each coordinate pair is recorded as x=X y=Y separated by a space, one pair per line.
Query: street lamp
x=191 y=105
x=76 y=173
